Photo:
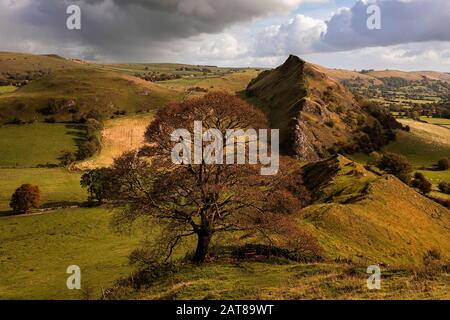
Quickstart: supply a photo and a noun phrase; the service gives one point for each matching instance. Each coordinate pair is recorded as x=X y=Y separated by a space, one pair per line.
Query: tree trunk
x=201 y=253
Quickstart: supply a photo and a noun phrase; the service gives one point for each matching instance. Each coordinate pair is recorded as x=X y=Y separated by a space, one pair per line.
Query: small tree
x=66 y=158
x=25 y=197
x=397 y=165
x=421 y=183
x=443 y=164
x=98 y=184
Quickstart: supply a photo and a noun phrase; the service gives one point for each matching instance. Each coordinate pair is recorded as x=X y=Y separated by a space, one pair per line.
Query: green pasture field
x=57 y=186
x=36 y=251
x=33 y=144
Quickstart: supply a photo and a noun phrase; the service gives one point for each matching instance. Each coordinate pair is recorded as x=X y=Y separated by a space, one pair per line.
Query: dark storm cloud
x=143 y=30
x=115 y=28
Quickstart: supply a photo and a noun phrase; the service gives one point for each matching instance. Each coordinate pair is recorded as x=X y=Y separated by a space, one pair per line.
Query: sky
x=405 y=34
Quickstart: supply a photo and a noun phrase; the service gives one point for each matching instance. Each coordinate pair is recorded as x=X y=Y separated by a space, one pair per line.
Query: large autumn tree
x=204 y=200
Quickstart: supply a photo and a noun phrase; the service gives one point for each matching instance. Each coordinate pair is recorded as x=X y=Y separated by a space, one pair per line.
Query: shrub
x=443 y=164
x=93 y=126
x=52 y=108
x=397 y=165
x=444 y=187
x=310 y=253
x=431 y=256
x=99 y=184
x=66 y=158
x=421 y=183
x=17 y=121
x=329 y=123
x=93 y=114
x=443 y=202
x=88 y=148
x=25 y=197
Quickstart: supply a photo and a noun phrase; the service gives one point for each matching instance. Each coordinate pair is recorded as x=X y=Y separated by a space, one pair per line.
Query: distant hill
x=53 y=87
x=316 y=115
x=40 y=87
x=363 y=217
x=22 y=63
x=376 y=76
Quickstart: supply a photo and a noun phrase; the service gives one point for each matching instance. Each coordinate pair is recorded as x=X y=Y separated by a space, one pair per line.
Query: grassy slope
x=92 y=87
x=103 y=91
x=119 y=135
x=168 y=68
x=389 y=222
x=36 y=250
x=233 y=82
x=13 y=62
x=418 y=149
x=7 y=89
x=287 y=280
x=423 y=147
x=56 y=185
x=33 y=144
x=106 y=88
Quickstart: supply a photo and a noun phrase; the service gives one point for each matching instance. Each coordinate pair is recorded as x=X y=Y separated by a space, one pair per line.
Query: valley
x=334 y=123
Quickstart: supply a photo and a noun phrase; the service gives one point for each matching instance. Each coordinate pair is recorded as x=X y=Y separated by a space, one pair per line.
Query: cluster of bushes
x=394 y=164
x=443 y=202
x=17 y=121
x=156 y=76
x=398 y=165
x=197 y=89
x=421 y=183
x=381 y=132
x=21 y=79
x=443 y=164
x=376 y=135
x=312 y=254
x=120 y=113
x=191 y=69
x=444 y=187
x=90 y=145
x=436 y=110
x=88 y=148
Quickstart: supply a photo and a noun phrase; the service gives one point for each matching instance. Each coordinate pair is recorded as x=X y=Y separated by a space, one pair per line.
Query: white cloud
x=300 y=34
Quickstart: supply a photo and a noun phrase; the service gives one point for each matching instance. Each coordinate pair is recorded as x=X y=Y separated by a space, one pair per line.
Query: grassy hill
x=314 y=113
x=424 y=145
x=376 y=76
x=76 y=87
x=360 y=219
x=79 y=90
x=370 y=219
x=13 y=63
x=280 y=279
